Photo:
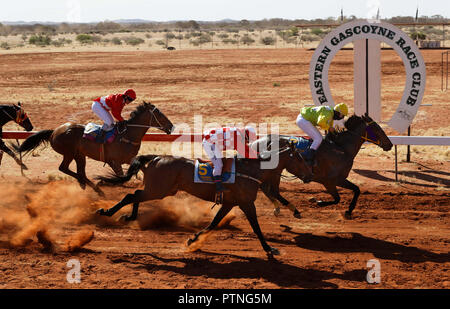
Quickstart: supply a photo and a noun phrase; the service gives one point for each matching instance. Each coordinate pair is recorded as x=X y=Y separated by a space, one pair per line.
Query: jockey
x=322 y=116
x=113 y=103
x=216 y=141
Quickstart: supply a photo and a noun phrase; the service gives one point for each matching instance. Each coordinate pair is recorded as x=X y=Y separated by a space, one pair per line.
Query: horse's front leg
x=356 y=192
x=4 y=148
x=249 y=210
x=223 y=211
x=331 y=189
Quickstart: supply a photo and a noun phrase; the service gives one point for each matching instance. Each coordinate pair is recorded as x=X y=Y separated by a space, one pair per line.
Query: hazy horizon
x=91 y=11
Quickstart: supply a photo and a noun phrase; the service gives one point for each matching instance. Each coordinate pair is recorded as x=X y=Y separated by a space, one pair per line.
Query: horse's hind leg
x=81 y=171
x=331 y=189
x=223 y=211
x=356 y=192
x=135 y=198
x=273 y=193
x=250 y=212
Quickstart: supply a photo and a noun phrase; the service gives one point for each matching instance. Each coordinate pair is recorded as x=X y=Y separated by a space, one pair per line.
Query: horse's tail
x=33 y=141
x=136 y=165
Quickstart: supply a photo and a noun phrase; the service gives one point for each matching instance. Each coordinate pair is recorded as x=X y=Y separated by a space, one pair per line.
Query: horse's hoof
x=297 y=215
x=101 y=212
x=276 y=212
x=189 y=242
x=125 y=219
x=82 y=185
x=24 y=167
x=348 y=215
x=274 y=251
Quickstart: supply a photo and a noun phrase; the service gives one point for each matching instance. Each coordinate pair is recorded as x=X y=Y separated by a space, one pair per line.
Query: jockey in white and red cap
x=113 y=104
x=217 y=140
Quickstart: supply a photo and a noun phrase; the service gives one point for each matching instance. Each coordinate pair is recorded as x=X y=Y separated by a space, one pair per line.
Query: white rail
x=421 y=140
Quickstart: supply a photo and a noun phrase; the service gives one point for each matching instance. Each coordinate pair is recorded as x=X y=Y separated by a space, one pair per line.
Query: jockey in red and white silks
x=218 y=140
x=113 y=104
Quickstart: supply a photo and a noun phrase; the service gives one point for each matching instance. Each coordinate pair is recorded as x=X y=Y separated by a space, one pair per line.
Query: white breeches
x=108 y=120
x=311 y=130
x=215 y=155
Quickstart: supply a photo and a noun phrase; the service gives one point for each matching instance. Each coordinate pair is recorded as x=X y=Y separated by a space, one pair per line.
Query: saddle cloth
x=92 y=130
x=203 y=172
x=301 y=143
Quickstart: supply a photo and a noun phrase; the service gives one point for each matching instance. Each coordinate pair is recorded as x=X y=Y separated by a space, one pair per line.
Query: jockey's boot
x=309 y=156
x=100 y=138
x=219 y=186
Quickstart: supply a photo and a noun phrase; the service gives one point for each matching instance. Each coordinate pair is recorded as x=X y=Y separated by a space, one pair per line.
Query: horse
x=68 y=140
x=164 y=175
x=17 y=114
x=334 y=159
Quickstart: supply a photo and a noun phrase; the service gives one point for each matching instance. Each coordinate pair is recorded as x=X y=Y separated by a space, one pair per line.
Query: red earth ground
x=45 y=221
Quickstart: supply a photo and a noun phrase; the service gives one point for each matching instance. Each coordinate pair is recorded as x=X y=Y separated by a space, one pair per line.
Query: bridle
x=21 y=116
x=152 y=113
x=366 y=136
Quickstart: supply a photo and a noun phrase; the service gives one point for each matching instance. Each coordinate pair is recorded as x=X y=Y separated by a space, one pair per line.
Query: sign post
x=378 y=31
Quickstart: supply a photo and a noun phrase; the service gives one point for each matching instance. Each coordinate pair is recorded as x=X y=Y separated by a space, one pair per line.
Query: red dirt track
x=404 y=225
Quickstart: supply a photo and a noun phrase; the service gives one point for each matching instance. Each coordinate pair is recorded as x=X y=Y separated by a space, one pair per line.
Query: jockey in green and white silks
x=322 y=116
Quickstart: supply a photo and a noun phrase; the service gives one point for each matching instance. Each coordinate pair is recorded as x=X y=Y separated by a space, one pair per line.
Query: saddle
x=92 y=130
x=204 y=170
x=301 y=144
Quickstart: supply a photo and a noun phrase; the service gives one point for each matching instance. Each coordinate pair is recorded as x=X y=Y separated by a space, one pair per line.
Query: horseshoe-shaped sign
x=387 y=33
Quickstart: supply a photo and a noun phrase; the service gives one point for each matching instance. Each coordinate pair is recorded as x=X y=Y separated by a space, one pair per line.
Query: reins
x=152 y=112
x=365 y=137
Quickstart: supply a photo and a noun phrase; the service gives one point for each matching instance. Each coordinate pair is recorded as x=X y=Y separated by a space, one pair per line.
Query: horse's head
x=155 y=119
x=21 y=117
x=369 y=130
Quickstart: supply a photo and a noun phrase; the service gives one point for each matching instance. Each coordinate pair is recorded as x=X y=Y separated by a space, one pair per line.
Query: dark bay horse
x=68 y=140
x=334 y=158
x=17 y=114
x=165 y=175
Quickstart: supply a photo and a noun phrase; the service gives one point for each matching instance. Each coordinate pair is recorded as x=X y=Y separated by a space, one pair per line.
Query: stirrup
x=218 y=198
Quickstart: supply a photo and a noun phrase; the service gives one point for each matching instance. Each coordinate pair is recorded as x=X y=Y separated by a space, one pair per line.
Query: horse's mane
x=353 y=122
x=144 y=106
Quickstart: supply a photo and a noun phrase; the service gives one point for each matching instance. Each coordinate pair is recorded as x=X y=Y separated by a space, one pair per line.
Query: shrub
x=160 y=42
x=247 y=40
x=61 y=42
x=40 y=40
x=133 y=40
x=84 y=38
x=4 y=45
x=116 y=41
x=268 y=40
x=204 y=38
x=418 y=36
x=226 y=41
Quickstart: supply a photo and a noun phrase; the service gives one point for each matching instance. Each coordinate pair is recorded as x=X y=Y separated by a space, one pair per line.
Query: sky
x=211 y=10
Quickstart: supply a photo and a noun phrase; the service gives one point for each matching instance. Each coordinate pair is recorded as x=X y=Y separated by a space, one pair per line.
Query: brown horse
x=165 y=175
x=334 y=159
x=17 y=114
x=68 y=140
